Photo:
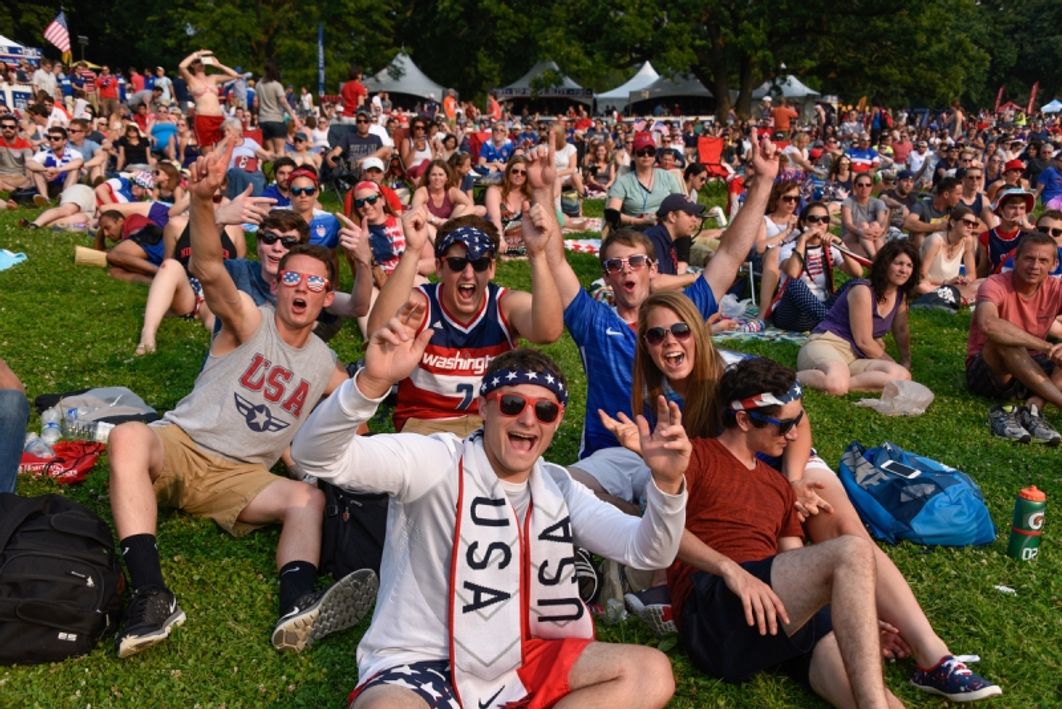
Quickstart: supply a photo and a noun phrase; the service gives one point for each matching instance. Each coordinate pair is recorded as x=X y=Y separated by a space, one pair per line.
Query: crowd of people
x=696 y=467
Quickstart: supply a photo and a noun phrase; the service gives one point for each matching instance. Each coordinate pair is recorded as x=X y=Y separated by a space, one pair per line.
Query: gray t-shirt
x=248 y=404
x=864 y=213
x=270 y=109
x=930 y=214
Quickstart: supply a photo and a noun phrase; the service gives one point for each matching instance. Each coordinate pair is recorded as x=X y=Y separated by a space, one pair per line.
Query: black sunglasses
x=271 y=237
x=303 y=191
x=680 y=331
x=361 y=202
x=817 y=219
x=56 y=137
x=511 y=405
x=457 y=263
x=790 y=198
x=645 y=152
x=784 y=425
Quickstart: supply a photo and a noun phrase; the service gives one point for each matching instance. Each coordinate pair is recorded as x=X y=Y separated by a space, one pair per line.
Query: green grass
x=63 y=327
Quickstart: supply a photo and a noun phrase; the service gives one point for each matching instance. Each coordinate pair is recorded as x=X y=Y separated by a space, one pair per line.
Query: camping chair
x=710 y=154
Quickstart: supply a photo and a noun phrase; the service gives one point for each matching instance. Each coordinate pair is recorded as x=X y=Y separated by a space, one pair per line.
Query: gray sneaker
x=315 y=615
x=1038 y=427
x=1006 y=423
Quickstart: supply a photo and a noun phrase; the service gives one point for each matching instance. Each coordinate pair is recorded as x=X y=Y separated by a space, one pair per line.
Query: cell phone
x=898 y=468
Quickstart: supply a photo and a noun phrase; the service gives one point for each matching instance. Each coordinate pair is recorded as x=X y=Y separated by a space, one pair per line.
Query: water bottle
x=1027 y=525
x=36 y=446
x=50 y=430
x=85 y=430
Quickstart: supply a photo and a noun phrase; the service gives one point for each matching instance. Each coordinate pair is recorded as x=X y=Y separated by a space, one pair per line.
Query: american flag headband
x=516 y=376
x=759 y=401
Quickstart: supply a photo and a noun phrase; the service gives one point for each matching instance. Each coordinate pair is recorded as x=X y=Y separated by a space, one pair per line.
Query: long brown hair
x=700 y=413
x=506 y=185
x=451 y=180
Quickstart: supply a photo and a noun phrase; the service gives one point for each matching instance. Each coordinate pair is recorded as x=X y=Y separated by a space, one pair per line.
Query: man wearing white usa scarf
x=478 y=606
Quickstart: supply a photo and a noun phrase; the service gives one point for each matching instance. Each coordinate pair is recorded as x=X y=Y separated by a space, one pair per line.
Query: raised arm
x=398 y=289
x=737 y=240
x=354 y=241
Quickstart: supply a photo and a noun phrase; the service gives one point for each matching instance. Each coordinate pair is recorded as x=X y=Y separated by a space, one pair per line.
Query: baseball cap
x=301 y=136
x=1014 y=165
x=372 y=163
x=643 y=140
x=904 y=175
x=143 y=179
x=678 y=203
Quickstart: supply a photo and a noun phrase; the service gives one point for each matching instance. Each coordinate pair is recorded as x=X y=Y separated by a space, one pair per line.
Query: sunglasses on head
x=511 y=405
x=1052 y=231
x=303 y=191
x=817 y=219
x=784 y=425
x=634 y=262
x=360 y=202
x=645 y=152
x=271 y=237
x=656 y=335
x=313 y=282
x=457 y=264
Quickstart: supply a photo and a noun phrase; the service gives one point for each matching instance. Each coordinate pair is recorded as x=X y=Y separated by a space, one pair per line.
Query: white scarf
x=487 y=590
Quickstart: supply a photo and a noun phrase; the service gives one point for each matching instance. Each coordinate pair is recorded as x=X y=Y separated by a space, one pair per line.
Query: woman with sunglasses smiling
x=637 y=194
x=946 y=254
x=505 y=205
x=415 y=149
x=779 y=228
x=806 y=293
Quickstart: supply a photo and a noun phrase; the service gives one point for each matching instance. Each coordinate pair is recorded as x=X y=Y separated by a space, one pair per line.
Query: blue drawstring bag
x=900 y=495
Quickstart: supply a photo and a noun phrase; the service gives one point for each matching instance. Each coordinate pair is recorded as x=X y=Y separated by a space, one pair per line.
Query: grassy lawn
x=64 y=327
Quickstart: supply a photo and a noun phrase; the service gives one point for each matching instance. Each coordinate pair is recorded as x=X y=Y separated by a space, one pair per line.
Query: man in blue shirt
x=495 y=153
x=1049 y=183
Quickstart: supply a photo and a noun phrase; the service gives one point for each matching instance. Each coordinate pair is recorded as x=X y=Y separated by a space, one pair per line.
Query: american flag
x=57 y=34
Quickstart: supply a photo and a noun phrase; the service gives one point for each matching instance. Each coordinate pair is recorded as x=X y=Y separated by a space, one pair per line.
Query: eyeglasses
x=817 y=219
x=74 y=130
x=635 y=262
x=971 y=223
x=517 y=172
x=512 y=405
x=271 y=237
x=361 y=120
x=419 y=127
x=56 y=137
x=313 y=282
x=645 y=152
x=790 y=198
x=680 y=331
x=784 y=425
x=457 y=264
x=9 y=126
x=976 y=176
x=1053 y=231
x=863 y=184
x=362 y=201
x=300 y=140
x=303 y=191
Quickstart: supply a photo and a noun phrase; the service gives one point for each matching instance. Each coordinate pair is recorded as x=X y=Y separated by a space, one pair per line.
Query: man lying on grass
x=482 y=607
x=211 y=455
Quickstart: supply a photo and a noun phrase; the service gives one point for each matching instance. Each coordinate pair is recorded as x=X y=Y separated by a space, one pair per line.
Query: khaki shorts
x=206 y=485
x=462 y=425
x=824 y=348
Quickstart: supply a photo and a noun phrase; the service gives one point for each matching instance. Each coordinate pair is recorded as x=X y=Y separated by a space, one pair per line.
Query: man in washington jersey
x=474 y=319
x=210 y=456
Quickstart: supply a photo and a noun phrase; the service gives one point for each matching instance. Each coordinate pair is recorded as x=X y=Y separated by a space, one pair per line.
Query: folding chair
x=710 y=154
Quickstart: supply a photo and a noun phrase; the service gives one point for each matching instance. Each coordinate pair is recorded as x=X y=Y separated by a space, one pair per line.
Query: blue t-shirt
x=247 y=275
x=274 y=192
x=607 y=345
x=324 y=229
x=1051 y=180
x=163 y=133
x=495 y=154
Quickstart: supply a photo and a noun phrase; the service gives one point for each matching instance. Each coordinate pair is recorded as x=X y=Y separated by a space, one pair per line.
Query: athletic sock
x=141 y=554
x=296 y=579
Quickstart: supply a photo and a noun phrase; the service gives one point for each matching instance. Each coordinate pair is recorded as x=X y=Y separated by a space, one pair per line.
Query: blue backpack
x=900 y=495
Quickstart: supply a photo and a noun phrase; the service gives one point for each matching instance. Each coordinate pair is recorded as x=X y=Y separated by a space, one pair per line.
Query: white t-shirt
x=562 y=159
x=814 y=274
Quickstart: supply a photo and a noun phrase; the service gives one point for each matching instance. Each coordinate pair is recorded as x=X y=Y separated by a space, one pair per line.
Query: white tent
x=683 y=86
x=792 y=87
x=402 y=76
x=618 y=97
x=11 y=52
x=525 y=87
x=1053 y=107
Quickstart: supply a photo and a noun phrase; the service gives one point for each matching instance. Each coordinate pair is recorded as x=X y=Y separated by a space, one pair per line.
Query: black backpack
x=352 y=531
x=60 y=583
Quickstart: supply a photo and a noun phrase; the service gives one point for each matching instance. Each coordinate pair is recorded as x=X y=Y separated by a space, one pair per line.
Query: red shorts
x=208 y=131
x=547 y=664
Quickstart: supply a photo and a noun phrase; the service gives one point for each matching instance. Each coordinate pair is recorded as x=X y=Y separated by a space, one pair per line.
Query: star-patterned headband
x=515 y=377
x=768 y=399
x=477 y=243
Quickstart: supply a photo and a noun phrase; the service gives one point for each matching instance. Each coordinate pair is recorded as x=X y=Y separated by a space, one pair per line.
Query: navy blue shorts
x=721 y=643
x=982 y=381
x=429 y=680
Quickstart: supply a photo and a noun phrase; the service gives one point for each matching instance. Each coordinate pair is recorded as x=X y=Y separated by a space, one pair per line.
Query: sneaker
x=149 y=618
x=1038 y=427
x=953 y=679
x=1006 y=423
x=657 y=615
x=754 y=325
x=315 y=615
x=587 y=576
x=717 y=214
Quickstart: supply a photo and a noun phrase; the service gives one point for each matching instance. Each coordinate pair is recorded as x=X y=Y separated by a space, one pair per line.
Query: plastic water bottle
x=50 y=430
x=1028 y=524
x=35 y=445
x=85 y=430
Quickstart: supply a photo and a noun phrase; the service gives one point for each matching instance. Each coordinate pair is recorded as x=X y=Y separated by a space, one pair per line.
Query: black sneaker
x=1006 y=423
x=1038 y=427
x=150 y=616
x=315 y=615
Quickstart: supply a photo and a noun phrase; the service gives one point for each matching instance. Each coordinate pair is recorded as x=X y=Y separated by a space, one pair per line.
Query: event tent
x=684 y=89
x=1053 y=107
x=11 y=52
x=567 y=88
x=402 y=76
x=618 y=97
x=792 y=87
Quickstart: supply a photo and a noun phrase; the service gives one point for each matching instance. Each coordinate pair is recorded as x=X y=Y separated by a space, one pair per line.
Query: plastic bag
x=731 y=307
x=901 y=398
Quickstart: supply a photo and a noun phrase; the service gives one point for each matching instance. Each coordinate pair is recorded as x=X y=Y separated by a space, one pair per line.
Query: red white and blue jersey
x=446 y=383
x=999 y=245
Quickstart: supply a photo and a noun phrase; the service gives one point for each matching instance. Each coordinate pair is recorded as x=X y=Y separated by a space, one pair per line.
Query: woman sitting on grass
x=945 y=253
x=439 y=194
x=675 y=358
x=505 y=204
x=846 y=351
